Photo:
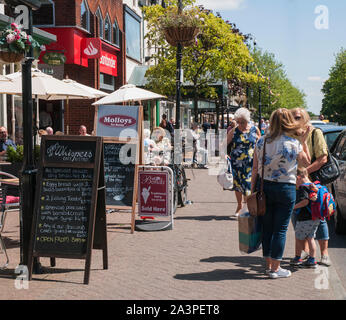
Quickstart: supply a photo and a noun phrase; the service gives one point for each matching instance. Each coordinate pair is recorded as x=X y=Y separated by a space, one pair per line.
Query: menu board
x=119 y=166
x=63 y=216
x=70 y=200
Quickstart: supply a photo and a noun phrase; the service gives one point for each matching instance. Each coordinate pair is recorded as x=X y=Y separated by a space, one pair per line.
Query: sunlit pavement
x=198 y=259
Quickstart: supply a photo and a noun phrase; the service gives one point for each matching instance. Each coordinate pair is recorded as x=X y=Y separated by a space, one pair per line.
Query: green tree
x=277 y=91
x=219 y=54
x=334 y=90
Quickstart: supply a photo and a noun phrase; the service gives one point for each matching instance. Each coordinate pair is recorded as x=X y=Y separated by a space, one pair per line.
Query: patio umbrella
x=47 y=87
x=6 y=85
x=128 y=93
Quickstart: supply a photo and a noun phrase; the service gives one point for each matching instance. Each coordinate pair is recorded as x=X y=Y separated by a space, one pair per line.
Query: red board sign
x=153 y=193
x=91 y=48
x=108 y=63
x=117 y=121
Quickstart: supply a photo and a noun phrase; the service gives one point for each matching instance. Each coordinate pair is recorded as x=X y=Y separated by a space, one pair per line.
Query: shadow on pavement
x=203 y=218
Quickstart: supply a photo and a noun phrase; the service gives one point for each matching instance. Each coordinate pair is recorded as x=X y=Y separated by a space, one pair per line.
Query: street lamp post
x=28 y=174
x=259 y=107
x=178 y=76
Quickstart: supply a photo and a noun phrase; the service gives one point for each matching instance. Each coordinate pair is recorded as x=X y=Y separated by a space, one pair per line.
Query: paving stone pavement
x=199 y=259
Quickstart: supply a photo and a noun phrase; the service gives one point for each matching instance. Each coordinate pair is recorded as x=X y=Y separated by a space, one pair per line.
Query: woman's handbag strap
x=264 y=153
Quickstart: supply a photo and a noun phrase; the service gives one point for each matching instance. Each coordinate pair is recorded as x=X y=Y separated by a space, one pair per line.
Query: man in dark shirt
x=206 y=126
x=5 y=142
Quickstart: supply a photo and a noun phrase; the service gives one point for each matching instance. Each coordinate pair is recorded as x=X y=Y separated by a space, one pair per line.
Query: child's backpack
x=323 y=206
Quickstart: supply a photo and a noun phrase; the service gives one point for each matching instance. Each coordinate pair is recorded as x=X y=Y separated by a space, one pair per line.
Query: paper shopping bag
x=250 y=233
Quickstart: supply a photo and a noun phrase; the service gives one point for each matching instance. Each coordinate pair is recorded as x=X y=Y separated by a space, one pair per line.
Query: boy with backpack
x=314 y=203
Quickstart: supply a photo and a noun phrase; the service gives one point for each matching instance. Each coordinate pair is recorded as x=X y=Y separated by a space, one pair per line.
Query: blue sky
x=302 y=35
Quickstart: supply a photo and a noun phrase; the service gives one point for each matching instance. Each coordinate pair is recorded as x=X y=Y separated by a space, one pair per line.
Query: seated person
x=5 y=142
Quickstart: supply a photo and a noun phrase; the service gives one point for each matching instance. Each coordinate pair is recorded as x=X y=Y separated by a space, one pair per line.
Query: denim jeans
x=280 y=201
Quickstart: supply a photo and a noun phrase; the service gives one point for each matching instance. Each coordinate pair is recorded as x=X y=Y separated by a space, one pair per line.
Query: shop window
x=108 y=29
x=116 y=34
x=85 y=16
x=45 y=15
x=100 y=21
x=106 y=82
x=133 y=34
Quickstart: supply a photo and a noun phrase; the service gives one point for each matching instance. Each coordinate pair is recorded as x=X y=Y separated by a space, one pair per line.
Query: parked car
x=338 y=187
x=330 y=132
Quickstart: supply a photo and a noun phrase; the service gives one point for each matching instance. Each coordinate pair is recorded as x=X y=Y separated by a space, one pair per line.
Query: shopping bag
x=225 y=177
x=250 y=233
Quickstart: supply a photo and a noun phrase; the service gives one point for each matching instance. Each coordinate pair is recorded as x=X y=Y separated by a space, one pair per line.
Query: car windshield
x=331 y=137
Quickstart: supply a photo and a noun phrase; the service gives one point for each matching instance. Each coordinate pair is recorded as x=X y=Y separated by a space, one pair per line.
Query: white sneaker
x=325 y=260
x=281 y=273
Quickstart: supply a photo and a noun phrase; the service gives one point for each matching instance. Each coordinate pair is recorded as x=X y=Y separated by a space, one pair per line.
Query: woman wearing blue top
x=282 y=156
x=242 y=140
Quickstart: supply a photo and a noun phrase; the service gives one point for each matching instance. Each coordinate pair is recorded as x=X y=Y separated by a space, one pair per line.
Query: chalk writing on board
x=64 y=209
x=119 y=174
x=69 y=151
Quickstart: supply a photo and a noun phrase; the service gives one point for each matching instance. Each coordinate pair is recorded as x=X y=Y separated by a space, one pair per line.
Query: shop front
x=90 y=61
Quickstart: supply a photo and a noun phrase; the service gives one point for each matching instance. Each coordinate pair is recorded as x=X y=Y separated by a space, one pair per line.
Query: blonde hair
x=302 y=172
x=282 y=122
x=305 y=117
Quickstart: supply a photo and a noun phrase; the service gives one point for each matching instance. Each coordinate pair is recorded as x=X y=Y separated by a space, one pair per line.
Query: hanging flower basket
x=11 y=57
x=15 y=43
x=184 y=35
x=181 y=27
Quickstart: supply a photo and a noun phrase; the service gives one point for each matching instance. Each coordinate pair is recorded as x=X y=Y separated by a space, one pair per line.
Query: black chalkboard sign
x=119 y=166
x=70 y=199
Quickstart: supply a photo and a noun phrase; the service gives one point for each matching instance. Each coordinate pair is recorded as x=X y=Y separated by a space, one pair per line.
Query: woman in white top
x=283 y=154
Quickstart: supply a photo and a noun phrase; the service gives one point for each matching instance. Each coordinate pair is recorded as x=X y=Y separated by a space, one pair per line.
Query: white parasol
x=128 y=93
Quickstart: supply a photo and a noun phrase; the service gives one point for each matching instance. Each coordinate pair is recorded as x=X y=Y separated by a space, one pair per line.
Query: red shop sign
x=153 y=193
x=91 y=48
x=108 y=63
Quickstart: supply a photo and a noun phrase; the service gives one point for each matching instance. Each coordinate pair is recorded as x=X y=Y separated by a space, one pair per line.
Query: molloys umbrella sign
x=153 y=193
x=117 y=121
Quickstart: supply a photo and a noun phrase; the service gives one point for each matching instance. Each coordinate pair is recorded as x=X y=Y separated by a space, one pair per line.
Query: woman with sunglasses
x=319 y=156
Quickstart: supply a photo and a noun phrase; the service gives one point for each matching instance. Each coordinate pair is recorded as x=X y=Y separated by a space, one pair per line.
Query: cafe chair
x=8 y=204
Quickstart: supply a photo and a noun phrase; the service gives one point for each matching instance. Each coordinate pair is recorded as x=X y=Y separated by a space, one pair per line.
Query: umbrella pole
x=67 y=116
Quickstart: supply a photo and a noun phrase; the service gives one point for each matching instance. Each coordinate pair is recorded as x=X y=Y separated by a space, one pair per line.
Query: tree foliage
x=334 y=90
x=219 y=54
x=277 y=91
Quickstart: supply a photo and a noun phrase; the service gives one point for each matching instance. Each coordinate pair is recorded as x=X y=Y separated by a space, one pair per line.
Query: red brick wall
x=67 y=13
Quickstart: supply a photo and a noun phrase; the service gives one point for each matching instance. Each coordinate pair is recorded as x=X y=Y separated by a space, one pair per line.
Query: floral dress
x=242 y=151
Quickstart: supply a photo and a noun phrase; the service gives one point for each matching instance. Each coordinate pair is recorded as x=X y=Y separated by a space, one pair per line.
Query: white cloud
x=221 y=4
x=315 y=79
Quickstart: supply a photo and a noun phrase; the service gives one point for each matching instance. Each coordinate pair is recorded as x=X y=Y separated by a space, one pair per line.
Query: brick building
x=83 y=27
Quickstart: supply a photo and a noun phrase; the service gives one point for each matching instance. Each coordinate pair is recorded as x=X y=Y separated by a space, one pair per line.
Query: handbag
x=225 y=178
x=256 y=202
x=329 y=172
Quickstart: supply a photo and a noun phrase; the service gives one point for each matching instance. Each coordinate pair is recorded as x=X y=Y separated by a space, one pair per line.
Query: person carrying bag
x=256 y=202
x=278 y=164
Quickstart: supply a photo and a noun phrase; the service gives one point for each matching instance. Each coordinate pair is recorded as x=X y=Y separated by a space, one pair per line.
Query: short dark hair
x=164 y=116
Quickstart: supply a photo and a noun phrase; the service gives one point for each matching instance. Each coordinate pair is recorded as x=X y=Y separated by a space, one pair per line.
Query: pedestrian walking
x=305 y=228
x=242 y=140
x=282 y=156
x=319 y=156
x=166 y=125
